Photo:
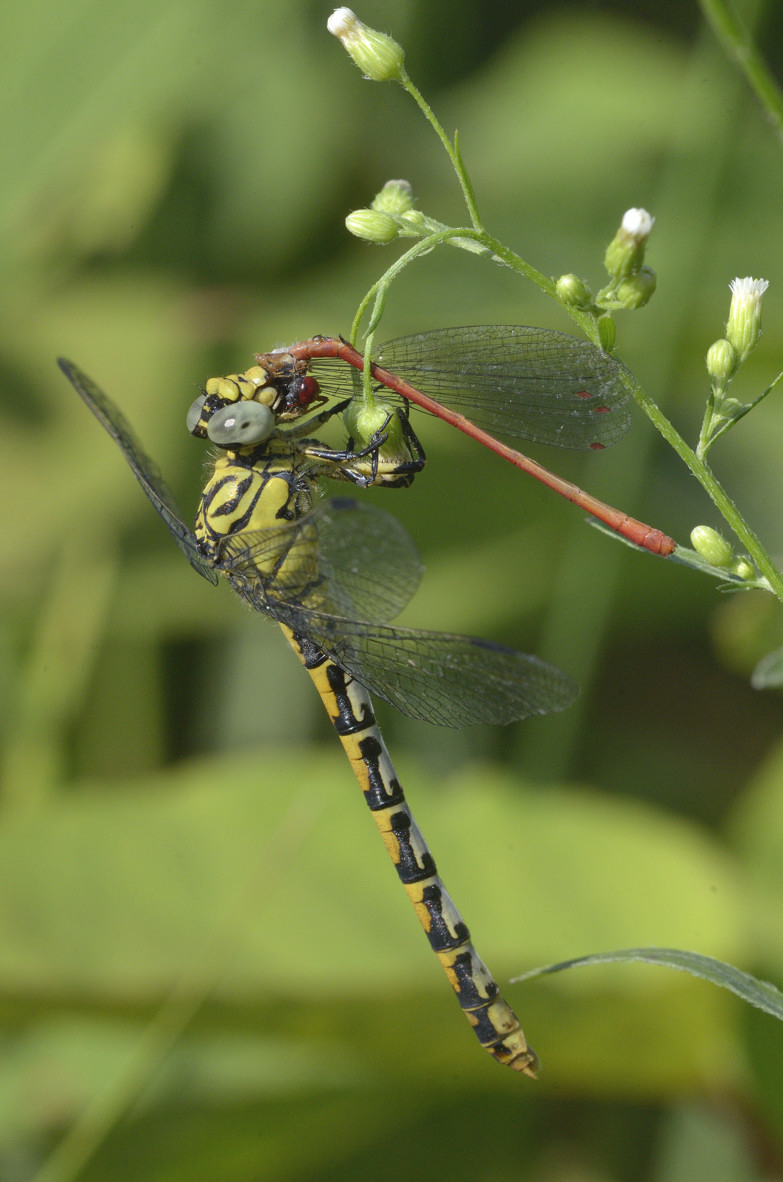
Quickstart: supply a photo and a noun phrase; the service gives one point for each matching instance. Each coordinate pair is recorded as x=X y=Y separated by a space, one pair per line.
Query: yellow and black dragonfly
x=333 y=574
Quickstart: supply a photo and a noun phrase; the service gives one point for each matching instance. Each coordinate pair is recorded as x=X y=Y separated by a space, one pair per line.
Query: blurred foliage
x=201 y=944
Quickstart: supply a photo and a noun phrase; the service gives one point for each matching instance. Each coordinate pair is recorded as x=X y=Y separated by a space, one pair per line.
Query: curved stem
x=710 y=484
x=452 y=149
x=587 y=321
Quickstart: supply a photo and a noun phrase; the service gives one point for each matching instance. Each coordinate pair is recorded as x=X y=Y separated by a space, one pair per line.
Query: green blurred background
x=205 y=960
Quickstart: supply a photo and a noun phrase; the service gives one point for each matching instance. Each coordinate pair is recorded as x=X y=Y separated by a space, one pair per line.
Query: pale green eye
x=241 y=424
x=194 y=414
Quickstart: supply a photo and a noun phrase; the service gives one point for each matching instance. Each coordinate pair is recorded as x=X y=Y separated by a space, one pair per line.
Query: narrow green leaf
x=760 y=994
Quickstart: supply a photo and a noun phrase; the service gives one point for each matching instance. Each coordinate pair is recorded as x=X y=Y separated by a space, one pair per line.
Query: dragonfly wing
x=345 y=558
x=342 y=556
x=439 y=678
x=145 y=471
x=368 y=558
x=512 y=380
x=529 y=383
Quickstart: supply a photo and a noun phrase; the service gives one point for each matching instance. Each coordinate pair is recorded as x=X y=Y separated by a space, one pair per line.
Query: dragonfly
x=333 y=574
x=517 y=381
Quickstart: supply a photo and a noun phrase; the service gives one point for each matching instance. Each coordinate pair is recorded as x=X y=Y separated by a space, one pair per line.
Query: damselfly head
x=297 y=391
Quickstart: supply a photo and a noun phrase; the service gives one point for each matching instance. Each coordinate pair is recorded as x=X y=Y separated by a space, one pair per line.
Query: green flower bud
x=714 y=549
x=636 y=290
x=371 y=225
x=625 y=253
x=743 y=568
x=412 y=224
x=743 y=327
x=363 y=421
x=378 y=57
x=574 y=291
x=394 y=197
x=722 y=361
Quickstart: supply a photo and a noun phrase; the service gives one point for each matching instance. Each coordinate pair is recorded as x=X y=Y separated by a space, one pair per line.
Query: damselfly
x=510 y=380
x=333 y=574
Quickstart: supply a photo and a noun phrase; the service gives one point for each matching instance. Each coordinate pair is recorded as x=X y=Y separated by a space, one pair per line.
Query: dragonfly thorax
x=246 y=494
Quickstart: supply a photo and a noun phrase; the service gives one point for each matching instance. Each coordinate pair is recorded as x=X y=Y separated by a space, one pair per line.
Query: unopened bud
x=637 y=289
x=371 y=225
x=743 y=327
x=378 y=57
x=625 y=253
x=713 y=548
x=744 y=569
x=574 y=291
x=412 y=224
x=722 y=361
x=394 y=197
x=365 y=422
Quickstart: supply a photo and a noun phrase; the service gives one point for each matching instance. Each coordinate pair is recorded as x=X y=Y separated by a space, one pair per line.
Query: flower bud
x=722 y=361
x=714 y=549
x=574 y=291
x=625 y=253
x=364 y=421
x=371 y=225
x=637 y=289
x=413 y=224
x=378 y=57
x=743 y=327
x=394 y=197
x=744 y=569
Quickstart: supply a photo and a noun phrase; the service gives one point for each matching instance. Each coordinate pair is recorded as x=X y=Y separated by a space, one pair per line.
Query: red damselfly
x=513 y=380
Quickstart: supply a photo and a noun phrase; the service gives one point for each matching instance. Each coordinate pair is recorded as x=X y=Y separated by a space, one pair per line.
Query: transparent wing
x=346 y=559
x=343 y=557
x=145 y=471
x=513 y=380
x=437 y=677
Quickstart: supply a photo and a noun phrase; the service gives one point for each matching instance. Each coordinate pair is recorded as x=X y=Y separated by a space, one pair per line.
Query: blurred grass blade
x=760 y=994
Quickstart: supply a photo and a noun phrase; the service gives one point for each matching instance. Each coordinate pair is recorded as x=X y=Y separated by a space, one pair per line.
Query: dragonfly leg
x=306 y=426
x=384 y=470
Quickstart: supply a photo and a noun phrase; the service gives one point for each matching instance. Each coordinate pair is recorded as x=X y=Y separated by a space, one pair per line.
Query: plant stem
x=587 y=321
x=710 y=484
x=452 y=149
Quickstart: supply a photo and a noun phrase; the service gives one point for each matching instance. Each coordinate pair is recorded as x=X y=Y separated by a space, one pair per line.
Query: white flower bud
x=378 y=57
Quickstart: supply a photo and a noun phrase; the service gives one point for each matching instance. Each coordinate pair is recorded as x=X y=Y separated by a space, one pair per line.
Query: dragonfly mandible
x=333 y=574
x=517 y=381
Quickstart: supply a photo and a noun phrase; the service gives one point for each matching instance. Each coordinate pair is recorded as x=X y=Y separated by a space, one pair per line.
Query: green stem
x=587 y=321
x=710 y=484
x=378 y=290
x=715 y=433
x=452 y=149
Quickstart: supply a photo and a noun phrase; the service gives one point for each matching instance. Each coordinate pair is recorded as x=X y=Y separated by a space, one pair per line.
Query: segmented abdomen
x=350 y=709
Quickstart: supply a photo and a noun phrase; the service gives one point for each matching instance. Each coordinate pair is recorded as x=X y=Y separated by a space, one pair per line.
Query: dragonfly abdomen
x=350 y=709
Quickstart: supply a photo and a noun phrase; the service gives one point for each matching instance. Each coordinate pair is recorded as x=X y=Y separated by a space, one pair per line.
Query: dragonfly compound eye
x=241 y=424
x=194 y=414
x=303 y=390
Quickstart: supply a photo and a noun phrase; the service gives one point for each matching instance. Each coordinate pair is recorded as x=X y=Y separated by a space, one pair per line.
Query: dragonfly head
x=278 y=391
x=236 y=411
